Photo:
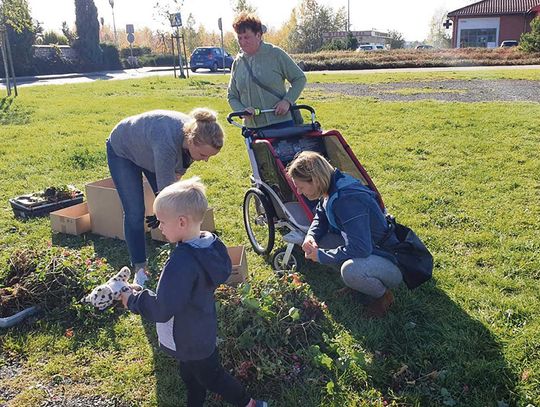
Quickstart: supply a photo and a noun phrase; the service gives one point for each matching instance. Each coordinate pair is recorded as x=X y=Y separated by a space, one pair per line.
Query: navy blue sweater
x=352 y=209
x=183 y=306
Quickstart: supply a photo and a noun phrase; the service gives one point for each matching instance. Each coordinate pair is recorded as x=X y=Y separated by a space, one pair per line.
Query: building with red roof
x=487 y=23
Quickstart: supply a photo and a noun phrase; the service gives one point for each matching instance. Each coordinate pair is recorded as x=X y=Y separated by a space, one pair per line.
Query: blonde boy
x=183 y=306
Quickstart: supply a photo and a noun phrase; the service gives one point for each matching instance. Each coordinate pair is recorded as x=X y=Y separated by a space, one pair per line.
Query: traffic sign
x=130 y=29
x=130 y=38
x=176 y=20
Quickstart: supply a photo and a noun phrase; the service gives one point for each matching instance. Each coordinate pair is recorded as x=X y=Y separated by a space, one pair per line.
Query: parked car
x=424 y=46
x=509 y=43
x=370 y=47
x=209 y=58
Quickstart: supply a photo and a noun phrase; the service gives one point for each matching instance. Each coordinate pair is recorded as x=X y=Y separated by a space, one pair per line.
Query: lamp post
x=111 y=2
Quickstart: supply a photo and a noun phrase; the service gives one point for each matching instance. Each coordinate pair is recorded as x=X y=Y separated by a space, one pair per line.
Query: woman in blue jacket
x=347 y=225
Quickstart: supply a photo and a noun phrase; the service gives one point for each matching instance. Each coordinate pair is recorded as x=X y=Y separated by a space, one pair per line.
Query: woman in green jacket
x=271 y=66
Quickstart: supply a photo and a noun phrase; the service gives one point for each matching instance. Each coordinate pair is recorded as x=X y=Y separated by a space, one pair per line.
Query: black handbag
x=414 y=259
x=296 y=115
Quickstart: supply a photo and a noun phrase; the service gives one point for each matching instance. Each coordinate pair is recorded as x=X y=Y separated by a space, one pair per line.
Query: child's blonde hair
x=310 y=166
x=203 y=128
x=184 y=198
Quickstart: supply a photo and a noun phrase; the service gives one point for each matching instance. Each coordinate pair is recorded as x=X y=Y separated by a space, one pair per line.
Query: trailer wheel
x=259 y=221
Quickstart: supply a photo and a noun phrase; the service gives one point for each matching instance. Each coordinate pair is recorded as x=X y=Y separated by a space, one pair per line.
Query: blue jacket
x=183 y=306
x=351 y=208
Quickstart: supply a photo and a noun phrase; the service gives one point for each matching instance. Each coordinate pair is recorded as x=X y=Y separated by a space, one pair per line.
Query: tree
x=437 y=33
x=313 y=21
x=242 y=5
x=530 y=42
x=68 y=33
x=15 y=16
x=190 y=34
x=351 y=42
x=396 y=39
x=164 y=8
x=291 y=38
x=87 y=43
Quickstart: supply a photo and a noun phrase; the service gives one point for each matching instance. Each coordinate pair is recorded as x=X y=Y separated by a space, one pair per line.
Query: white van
x=370 y=47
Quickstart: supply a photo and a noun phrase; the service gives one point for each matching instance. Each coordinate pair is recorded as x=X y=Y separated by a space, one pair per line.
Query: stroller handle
x=242 y=113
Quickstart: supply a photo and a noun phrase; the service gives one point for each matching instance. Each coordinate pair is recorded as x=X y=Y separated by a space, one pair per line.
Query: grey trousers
x=371 y=275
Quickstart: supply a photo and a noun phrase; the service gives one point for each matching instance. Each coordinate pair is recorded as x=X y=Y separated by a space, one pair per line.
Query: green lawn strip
x=464 y=176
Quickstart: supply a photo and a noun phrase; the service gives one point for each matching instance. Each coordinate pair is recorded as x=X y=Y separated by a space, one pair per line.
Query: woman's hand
x=250 y=110
x=282 y=107
x=310 y=245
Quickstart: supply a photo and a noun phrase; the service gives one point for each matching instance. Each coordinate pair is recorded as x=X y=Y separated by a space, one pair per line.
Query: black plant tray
x=24 y=209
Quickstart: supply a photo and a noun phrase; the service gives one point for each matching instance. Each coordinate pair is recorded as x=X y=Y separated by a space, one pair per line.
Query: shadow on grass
x=114 y=250
x=426 y=351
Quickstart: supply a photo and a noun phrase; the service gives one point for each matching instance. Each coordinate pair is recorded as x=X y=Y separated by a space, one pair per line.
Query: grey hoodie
x=153 y=140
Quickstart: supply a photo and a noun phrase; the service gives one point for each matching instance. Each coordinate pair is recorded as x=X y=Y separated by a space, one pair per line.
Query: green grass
x=465 y=177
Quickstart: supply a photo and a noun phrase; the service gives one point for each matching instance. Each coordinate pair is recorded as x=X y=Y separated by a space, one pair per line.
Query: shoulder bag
x=413 y=258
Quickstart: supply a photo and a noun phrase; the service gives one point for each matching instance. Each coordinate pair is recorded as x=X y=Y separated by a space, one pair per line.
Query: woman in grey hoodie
x=161 y=144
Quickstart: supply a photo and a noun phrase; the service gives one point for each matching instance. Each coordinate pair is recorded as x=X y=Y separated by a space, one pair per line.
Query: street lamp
x=111 y=2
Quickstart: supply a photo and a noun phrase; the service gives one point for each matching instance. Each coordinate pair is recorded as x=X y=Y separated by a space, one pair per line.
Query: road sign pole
x=220 y=25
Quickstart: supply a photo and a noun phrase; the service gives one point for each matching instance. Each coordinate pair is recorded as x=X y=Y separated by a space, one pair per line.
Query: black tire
x=214 y=67
x=259 y=221
x=193 y=69
x=295 y=261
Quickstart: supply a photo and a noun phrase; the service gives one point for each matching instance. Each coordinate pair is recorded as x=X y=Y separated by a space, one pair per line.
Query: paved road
x=167 y=71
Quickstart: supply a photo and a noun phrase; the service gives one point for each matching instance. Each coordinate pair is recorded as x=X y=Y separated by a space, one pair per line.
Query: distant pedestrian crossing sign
x=176 y=20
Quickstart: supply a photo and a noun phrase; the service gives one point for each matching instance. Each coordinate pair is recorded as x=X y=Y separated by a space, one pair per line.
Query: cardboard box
x=72 y=220
x=239 y=265
x=105 y=208
x=208 y=224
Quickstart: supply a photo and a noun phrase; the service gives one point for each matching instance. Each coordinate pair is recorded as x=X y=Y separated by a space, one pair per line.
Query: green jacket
x=271 y=66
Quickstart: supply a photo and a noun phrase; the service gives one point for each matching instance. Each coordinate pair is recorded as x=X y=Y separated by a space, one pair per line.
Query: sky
x=409 y=17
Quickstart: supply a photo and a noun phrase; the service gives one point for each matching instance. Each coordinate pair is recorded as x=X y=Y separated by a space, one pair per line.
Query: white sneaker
x=140 y=278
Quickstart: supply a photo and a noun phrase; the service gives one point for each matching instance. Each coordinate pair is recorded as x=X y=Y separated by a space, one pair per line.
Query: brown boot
x=379 y=307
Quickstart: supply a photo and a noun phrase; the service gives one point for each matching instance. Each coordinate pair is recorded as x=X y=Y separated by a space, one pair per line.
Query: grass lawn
x=464 y=176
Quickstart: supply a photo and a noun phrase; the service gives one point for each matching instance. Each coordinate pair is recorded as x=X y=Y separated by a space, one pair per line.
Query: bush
x=158 y=60
x=530 y=42
x=137 y=52
x=51 y=37
x=111 y=57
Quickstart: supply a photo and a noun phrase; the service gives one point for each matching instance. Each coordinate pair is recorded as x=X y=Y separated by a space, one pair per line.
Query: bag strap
x=261 y=85
x=391 y=227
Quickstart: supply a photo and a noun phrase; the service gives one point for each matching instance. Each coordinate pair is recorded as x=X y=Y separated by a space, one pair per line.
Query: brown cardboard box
x=72 y=220
x=208 y=224
x=106 y=213
x=239 y=265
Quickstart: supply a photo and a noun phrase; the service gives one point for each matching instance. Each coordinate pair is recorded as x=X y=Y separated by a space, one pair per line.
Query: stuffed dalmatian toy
x=104 y=295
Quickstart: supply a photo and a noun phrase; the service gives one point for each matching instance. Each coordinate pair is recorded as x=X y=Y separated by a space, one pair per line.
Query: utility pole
x=348 y=15
x=111 y=2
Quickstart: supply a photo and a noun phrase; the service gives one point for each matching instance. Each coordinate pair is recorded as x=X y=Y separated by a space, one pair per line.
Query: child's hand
x=124 y=296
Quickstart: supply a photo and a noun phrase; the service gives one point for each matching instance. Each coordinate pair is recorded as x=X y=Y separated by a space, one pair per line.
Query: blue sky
x=411 y=17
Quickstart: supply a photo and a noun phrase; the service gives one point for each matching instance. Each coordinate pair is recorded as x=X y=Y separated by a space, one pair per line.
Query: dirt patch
x=447 y=91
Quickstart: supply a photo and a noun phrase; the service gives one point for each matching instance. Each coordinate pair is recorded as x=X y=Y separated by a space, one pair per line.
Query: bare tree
x=438 y=36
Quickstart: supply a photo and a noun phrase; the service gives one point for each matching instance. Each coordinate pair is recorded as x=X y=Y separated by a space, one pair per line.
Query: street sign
x=130 y=29
x=220 y=26
x=130 y=38
x=176 y=20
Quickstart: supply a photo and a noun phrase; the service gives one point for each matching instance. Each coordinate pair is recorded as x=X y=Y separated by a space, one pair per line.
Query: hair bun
x=204 y=115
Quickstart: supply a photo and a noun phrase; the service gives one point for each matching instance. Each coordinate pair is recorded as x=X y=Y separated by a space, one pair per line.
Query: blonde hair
x=184 y=198
x=310 y=166
x=203 y=128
